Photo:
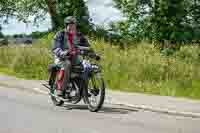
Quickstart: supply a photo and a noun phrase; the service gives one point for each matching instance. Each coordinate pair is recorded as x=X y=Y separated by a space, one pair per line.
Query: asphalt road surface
x=23 y=111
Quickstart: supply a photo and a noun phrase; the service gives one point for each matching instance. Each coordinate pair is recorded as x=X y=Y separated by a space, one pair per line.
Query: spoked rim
x=96 y=92
x=93 y=94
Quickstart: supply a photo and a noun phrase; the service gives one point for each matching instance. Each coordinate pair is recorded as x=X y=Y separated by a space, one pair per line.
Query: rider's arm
x=84 y=45
x=57 y=44
x=83 y=41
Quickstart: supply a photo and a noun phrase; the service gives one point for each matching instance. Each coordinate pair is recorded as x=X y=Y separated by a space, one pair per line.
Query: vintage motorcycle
x=86 y=82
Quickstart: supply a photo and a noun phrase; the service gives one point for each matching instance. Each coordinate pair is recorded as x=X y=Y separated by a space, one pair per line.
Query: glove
x=63 y=54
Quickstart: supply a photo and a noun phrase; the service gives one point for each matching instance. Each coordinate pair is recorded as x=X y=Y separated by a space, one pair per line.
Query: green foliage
x=23 y=9
x=35 y=35
x=18 y=35
x=57 y=10
x=168 y=17
x=4 y=42
x=76 y=8
x=159 y=20
x=39 y=35
x=137 y=26
x=1 y=34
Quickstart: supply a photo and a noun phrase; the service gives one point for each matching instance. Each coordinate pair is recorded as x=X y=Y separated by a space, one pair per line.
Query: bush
x=3 y=42
x=189 y=54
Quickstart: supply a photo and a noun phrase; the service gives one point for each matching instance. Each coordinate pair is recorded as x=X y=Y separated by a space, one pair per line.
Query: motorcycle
x=86 y=82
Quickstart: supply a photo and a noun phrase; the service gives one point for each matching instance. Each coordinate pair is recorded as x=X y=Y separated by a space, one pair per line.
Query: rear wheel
x=94 y=93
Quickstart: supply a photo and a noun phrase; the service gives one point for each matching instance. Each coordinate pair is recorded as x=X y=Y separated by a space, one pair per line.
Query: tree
x=57 y=9
x=168 y=19
x=159 y=20
x=195 y=21
x=1 y=34
x=138 y=14
x=76 y=8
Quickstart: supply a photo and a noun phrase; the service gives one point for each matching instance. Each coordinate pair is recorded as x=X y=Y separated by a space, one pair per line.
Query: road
x=23 y=111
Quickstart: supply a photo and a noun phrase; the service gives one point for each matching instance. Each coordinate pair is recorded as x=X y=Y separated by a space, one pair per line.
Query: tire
x=101 y=99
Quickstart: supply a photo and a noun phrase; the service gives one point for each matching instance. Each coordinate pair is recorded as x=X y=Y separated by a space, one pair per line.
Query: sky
x=101 y=12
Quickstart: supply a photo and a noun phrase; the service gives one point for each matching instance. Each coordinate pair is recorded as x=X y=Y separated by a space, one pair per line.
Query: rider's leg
x=67 y=72
x=52 y=70
x=59 y=62
x=51 y=73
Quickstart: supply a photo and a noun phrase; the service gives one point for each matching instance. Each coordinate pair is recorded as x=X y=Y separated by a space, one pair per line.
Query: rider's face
x=71 y=28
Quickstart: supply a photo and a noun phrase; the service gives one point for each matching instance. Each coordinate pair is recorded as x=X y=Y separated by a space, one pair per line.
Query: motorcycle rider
x=65 y=43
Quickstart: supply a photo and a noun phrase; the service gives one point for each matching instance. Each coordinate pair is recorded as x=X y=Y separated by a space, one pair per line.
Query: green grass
x=27 y=62
x=140 y=68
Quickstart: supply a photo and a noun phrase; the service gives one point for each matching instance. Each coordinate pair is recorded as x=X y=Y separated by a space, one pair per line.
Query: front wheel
x=94 y=92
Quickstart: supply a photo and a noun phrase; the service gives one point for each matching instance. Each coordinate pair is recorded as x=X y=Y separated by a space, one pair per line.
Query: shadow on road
x=116 y=110
x=106 y=110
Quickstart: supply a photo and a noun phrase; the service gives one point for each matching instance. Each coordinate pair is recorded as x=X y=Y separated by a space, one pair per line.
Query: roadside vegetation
x=138 y=68
x=166 y=63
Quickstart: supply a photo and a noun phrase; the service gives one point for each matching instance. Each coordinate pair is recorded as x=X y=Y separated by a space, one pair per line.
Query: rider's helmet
x=70 y=20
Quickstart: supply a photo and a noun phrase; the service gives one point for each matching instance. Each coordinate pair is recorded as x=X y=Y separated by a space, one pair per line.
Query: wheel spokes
x=94 y=88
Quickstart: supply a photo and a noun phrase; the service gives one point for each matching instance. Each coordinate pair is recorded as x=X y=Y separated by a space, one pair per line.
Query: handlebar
x=86 y=52
x=89 y=53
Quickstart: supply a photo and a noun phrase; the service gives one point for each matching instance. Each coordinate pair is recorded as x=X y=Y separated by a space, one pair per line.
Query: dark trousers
x=67 y=72
x=53 y=71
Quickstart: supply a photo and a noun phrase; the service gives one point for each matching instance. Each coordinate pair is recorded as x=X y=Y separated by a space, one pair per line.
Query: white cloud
x=101 y=12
